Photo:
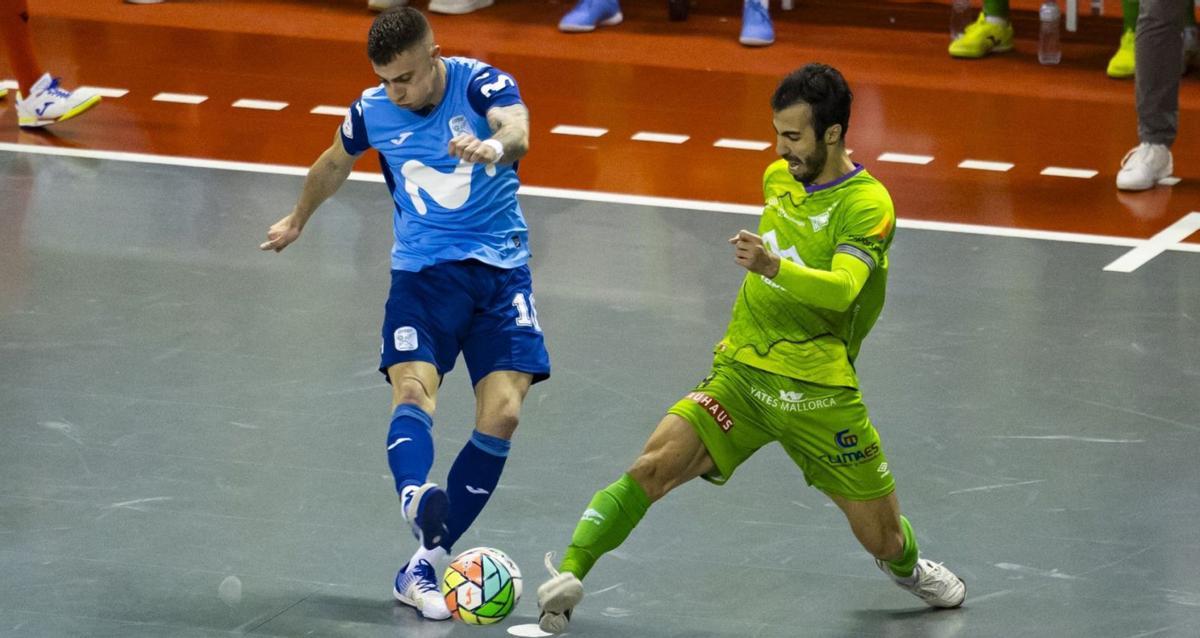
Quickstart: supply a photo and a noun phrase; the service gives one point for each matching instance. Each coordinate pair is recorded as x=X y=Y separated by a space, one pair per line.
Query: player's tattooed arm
x=509 y=141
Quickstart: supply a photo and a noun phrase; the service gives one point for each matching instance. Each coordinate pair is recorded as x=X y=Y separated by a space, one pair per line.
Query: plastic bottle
x=1049 y=47
x=960 y=17
x=1097 y=7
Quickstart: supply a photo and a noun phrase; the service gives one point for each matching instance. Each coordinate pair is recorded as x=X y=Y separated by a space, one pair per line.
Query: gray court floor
x=191 y=431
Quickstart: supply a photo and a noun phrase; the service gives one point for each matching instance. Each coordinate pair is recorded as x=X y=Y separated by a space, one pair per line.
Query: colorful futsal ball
x=481 y=586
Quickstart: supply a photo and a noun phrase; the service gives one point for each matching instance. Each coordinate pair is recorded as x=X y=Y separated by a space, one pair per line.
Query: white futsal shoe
x=932 y=583
x=557 y=597
x=416 y=586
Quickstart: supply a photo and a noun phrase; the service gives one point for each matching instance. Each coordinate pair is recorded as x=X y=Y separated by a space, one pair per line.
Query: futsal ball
x=481 y=586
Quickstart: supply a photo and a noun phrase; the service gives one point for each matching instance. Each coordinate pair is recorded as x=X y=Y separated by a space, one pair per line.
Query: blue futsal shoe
x=588 y=13
x=757 y=29
x=425 y=508
x=417 y=586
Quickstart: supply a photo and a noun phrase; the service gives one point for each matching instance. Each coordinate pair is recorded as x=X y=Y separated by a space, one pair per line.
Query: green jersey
x=771 y=329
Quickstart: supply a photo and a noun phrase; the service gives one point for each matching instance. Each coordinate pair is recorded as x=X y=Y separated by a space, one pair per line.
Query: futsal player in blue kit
x=449 y=132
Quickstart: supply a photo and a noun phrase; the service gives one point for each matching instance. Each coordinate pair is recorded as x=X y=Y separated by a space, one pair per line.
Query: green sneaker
x=1122 y=63
x=981 y=38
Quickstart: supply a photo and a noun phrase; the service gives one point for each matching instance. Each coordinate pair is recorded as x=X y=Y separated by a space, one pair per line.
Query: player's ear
x=435 y=52
x=833 y=134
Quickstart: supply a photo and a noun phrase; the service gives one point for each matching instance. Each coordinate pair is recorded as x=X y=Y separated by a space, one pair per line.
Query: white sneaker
x=143 y=1
x=418 y=587
x=49 y=103
x=1144 y=166
x=384 y=5
x=932 y=583
x=458 y=7
x=557 y=597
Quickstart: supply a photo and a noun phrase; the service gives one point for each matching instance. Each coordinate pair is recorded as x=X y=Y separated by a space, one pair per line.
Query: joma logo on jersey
x=714 y=409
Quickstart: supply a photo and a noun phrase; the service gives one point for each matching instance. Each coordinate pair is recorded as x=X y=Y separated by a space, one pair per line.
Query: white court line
x=339 y=111
x=260 y=105
x=662 y=138
x=905 y=158
x=1169 y=181
x=1153 y=247
x=180 y=98
x=581 y=195
x=102 y=91
x=982 y=165
x=1078 y=173
x=742 y=145
x=9 y=84
x=581 y=131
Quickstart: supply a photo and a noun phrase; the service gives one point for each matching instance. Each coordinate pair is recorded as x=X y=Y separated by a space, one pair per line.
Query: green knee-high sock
x=1129 y=11
x=903 y=567
x=606 y=523
x=996 y=8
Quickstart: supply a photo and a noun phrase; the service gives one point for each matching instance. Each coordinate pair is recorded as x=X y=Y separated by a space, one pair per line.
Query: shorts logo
x=405 y=339
x=788 y=401
x=714 y=409
x=348 y=126
x=845 y=440
x=883 y=469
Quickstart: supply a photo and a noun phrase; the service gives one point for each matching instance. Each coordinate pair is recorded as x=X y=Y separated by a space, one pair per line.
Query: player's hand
x=280 y=234
x=750 y=253
x=472 y=149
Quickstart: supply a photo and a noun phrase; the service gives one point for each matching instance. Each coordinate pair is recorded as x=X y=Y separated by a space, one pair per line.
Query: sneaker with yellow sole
x=981 y=38
x=1122 y=64
x=48 y=103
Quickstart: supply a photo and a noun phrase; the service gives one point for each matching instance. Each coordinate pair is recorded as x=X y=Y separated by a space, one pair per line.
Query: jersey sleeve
x=867 y=229
x=490 y=87
x=354 y=130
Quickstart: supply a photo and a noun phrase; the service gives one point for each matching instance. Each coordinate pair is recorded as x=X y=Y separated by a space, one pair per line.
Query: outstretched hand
x=750 y=253
x=280 y=234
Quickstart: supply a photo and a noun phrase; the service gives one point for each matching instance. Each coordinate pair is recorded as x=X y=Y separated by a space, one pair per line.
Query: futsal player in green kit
x=784 y=371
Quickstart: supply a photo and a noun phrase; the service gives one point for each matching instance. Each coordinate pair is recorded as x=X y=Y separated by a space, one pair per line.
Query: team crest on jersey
x=819 y=222
x=459 y=125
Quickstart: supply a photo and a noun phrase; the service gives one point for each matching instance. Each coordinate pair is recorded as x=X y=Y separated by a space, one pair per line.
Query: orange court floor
x=686 y=79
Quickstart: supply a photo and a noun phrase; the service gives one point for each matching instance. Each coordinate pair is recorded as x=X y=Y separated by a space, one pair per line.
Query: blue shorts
x=482 y=311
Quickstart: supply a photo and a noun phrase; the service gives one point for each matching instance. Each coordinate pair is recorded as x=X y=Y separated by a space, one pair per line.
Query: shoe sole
x=36 y=122
x=1002 y=48
x=583 y=28
x=458 y=11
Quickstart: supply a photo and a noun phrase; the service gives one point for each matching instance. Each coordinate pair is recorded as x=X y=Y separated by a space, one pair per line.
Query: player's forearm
x=324 y=179
x=515 y=142
x=832 y=289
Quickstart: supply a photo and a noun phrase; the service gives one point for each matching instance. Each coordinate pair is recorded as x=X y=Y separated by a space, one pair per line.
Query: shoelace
x=549 y=562
x=1136 y=152
x=425 y=580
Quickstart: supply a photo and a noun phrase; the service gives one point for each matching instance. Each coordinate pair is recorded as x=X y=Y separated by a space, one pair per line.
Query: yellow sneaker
x=1122 y=63
x=981 y=38
x=3 y=91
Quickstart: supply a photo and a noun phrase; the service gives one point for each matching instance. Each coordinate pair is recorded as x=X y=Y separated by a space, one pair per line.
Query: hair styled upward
x=824 y=89
x=393 y=32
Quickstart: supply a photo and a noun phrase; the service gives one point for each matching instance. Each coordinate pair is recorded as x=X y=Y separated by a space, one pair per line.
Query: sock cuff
x=413 y=412
x=637 y=497
x=489 y=444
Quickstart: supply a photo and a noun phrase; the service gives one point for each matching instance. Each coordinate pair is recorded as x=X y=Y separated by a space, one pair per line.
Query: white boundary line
x=580 y=131
x=614 y=198
x=905 y=158
x=1153 y=247
x=261 y=105
x=180 y=98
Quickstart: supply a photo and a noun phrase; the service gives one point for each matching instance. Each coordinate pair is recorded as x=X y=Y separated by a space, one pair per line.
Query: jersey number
x=526 y=312
x=501 y=81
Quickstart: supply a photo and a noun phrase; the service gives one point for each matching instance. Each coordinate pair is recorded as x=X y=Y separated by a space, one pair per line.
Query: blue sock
x=473 y=478
x=410 y=445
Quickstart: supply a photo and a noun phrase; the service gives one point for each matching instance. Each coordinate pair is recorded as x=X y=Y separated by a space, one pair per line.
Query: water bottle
x=1097 y=7
x=960 y=17
x=1049 y=47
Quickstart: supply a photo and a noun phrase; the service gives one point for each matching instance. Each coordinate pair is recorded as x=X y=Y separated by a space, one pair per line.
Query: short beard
x=815 y=164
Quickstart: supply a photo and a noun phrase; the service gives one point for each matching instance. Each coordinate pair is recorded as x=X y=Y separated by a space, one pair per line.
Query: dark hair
x=393 y=32
x=824 y=89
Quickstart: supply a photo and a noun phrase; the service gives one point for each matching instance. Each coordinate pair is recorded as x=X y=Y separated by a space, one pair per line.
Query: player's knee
x=501 y=424
x=411 y=391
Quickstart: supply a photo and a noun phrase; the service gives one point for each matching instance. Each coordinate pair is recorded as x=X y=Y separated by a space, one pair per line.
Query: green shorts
x=824 y=429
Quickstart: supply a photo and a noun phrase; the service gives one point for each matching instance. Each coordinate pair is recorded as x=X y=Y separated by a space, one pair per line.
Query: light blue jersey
x=446 y=209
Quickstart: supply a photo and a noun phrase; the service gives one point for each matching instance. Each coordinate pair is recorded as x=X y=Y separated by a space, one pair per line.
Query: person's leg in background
x=40 y=98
